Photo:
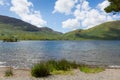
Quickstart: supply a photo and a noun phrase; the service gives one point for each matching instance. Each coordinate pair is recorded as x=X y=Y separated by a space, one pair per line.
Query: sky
x=60 y=15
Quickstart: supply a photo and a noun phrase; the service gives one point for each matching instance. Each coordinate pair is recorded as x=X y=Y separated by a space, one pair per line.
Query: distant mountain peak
x=21 y=24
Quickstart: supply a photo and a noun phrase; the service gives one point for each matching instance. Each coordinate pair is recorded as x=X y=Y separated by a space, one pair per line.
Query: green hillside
x=12 y=27
x=25 y=31
x=105 y=31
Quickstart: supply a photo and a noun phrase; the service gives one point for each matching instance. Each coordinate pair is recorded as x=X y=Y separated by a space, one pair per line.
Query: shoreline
x=24 y=74
x=102 y=66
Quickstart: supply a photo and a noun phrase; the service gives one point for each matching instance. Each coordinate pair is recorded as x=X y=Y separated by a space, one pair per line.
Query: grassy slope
x=109 y=30
x=25 y=31
x=15 y=27
x=8 y=30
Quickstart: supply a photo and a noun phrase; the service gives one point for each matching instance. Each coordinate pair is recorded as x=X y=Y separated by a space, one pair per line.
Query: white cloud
x=103 y=5
x=24 y=9
x=94 y=17
x=87 y=17
x=71 y=23
x=2 y=2
x=83 y=5
x=64 y=6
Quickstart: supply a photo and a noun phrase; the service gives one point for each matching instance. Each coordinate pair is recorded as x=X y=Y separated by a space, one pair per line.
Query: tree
x=113 y=7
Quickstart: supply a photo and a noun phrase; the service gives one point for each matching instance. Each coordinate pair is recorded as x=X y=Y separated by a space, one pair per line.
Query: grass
x=7 y=30
x=61 y=72
x=53 y=67
x=105 y=31
x=88 y=69
x=40 y=70
x=61 y=67
x=8 y=73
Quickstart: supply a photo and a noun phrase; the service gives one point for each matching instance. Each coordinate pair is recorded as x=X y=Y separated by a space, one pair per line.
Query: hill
x=14 y=27
x=105 y=31
x=10 y=27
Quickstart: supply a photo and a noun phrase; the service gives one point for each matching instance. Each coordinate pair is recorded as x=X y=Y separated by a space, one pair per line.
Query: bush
x=10 y=39
x=63 y=65
x=52 y=65
x=60 y=65
x=74 y=65
x=40 y=70
x=9 y=72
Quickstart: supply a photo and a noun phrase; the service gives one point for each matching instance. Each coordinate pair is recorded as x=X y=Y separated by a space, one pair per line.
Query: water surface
x=24 y=54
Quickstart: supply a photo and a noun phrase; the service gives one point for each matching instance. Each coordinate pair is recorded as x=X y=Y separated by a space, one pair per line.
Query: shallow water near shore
x=24 y=54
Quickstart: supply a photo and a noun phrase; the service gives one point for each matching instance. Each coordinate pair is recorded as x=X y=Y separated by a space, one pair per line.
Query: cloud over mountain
x=24 y=9
x=85 y=16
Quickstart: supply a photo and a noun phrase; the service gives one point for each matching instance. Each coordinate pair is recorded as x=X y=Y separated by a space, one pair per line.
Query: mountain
x=15 y=27
x=105 y=31
x=10 y=27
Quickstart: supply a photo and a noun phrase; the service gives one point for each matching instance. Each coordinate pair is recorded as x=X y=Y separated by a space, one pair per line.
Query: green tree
x=113 y=7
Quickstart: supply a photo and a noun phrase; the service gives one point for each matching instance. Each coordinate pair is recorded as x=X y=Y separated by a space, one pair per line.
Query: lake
x=24 y=54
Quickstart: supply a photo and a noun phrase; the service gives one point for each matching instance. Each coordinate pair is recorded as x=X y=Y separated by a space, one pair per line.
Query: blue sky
x=60 y=15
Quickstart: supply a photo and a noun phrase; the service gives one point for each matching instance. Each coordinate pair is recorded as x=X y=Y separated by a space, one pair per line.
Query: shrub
x=40 y=70
x=59 y=65
x=10 y=39
x=52 y=65
x=63 y=65
x=9 y=72
x=74 y=65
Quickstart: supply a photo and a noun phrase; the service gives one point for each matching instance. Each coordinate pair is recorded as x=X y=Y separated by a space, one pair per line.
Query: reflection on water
x=25 y=53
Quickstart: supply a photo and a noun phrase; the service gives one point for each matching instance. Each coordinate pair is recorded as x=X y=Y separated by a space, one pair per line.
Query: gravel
x=108 y=74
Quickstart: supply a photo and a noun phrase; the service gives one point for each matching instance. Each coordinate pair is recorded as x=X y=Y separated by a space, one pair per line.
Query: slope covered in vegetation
x=10 y=27
x=107 y=31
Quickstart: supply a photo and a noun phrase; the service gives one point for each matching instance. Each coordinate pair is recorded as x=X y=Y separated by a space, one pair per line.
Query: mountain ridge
x=18 y=22
x=108 y=30
x=25 y=31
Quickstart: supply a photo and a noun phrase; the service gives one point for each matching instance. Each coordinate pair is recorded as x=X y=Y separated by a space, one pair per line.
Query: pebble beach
x=24 y=74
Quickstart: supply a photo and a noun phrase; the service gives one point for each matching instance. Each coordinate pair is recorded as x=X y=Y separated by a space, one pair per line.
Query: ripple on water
x=26 y=53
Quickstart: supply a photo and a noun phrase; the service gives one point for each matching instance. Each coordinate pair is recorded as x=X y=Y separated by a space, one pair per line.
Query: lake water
x=24 y=54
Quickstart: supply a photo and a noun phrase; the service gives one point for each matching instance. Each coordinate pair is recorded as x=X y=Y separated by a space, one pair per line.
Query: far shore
x=24 y=74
